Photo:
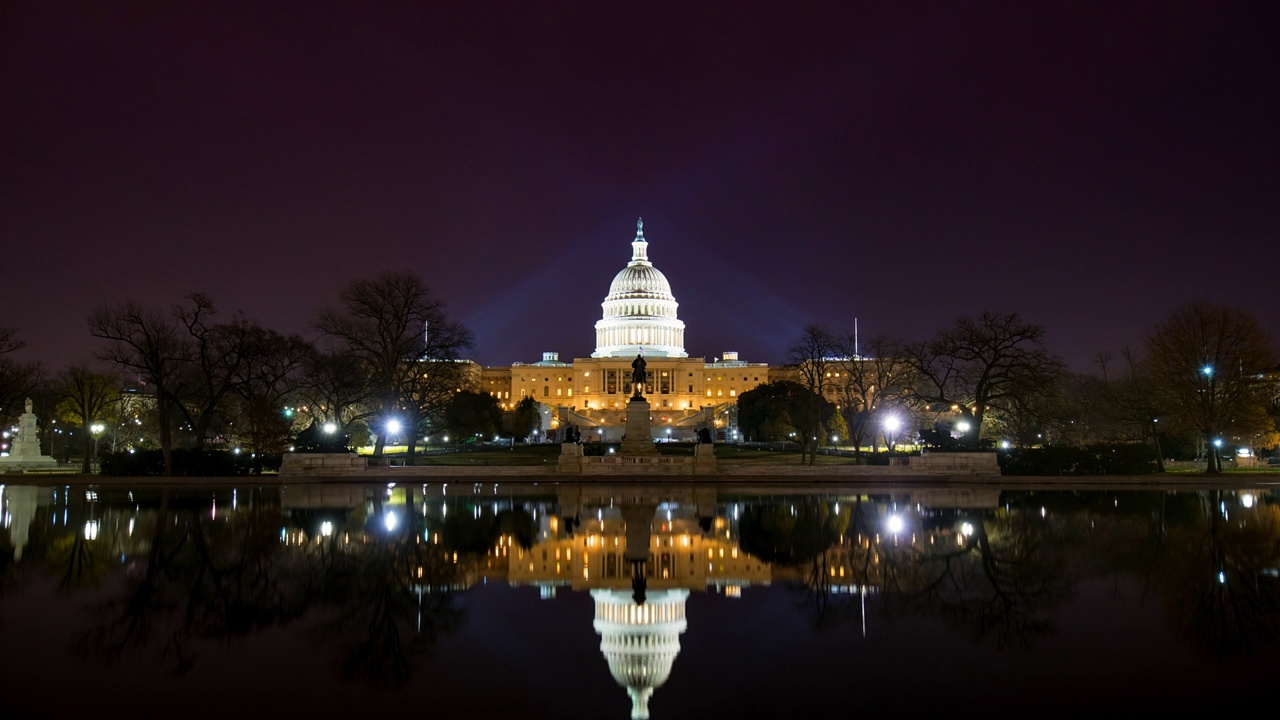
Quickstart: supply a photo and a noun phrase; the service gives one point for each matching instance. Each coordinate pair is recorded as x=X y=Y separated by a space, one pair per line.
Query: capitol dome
x=640 y=311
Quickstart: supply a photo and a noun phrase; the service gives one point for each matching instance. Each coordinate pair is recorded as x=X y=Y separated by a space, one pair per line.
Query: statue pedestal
x=570 y=460
x=25 y=453
x=639 y=437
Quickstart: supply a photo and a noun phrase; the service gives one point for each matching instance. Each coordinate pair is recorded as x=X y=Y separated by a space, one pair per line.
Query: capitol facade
x=639 y=317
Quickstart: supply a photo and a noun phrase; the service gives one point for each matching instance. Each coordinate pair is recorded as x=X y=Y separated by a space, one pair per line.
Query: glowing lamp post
x=1209 y=417
x=96 y=429
x=393 y=431
x=891 y=426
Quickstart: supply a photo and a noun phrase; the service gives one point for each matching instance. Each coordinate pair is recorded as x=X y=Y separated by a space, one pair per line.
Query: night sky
x=1087 y=165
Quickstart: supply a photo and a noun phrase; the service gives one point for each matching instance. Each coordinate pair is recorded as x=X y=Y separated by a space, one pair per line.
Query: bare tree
x=86 y=396
x=147 y=341
x=1132 y=400
x=407 y=345
x=983 y=364
x=812 y=357
x=879 y=380
x=333 y=388
x=1209 y=363
x=223 y=355
x=17 y=379
x=263 y=385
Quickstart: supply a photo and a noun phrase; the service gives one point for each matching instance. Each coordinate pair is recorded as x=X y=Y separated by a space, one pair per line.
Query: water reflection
x=171 y=570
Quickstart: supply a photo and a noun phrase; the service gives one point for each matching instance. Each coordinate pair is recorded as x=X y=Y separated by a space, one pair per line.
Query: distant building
x=639 y=318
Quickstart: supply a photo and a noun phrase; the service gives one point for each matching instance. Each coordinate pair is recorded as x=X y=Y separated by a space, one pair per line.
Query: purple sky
x=1087 y=165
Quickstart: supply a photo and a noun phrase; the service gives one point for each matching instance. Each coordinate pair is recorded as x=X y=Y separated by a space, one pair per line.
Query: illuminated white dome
x=640 y=280
x=640 y=311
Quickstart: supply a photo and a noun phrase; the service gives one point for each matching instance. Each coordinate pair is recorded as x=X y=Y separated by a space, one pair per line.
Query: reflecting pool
x=632 y=600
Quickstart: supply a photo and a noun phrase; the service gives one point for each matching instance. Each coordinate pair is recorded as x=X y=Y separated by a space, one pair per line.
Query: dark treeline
x=211 y=393
x=1203 y=384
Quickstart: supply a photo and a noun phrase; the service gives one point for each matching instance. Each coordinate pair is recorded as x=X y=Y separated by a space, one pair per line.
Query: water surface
x=592 y=600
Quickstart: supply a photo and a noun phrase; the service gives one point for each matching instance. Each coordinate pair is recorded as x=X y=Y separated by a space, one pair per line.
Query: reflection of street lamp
x=895 y=524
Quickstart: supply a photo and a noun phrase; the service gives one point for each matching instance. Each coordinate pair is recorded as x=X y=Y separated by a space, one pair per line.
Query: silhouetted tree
x=148 y=342
x=17 y=379
x=86 y=397
x=983 y=364
x=525 y=418
x=408 y=348
x=811 y=357
x=1131 y=400
x=764 y=412
x=468 y=414
x=263 y=387
x=1209 y=364
x=871 y=379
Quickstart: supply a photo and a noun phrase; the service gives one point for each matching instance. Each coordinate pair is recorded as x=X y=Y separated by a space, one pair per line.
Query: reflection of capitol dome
x=639 y=311
x=640 y=641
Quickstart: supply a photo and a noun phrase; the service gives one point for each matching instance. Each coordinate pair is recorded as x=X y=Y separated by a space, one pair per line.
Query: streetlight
x=1209 y=417
x=96 y=429
x=891 y=425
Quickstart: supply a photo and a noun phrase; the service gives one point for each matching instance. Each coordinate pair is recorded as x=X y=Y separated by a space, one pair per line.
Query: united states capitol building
x=639 y=318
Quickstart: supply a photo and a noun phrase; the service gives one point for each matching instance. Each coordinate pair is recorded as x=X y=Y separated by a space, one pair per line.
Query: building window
x=546 y=391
